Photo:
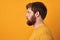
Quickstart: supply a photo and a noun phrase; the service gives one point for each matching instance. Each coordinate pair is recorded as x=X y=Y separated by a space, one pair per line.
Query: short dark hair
x=38 y=6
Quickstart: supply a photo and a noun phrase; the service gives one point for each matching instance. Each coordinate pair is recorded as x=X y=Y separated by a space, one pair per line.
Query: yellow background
x=13 y=22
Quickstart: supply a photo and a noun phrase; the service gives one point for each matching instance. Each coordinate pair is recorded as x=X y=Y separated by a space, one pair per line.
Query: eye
x=28 y=12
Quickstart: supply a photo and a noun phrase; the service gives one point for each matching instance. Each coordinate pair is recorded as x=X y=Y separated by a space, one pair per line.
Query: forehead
x=29 y=9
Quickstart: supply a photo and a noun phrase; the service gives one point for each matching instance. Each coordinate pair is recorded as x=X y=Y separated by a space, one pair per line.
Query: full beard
x=32 y=21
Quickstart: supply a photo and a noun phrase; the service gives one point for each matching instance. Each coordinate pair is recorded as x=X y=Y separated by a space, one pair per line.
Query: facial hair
x=32 y=21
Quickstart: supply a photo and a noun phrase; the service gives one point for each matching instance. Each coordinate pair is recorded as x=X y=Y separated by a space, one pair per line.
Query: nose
x=26 y=14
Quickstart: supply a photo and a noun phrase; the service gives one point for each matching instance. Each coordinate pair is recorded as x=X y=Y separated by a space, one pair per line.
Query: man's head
x=35 y=10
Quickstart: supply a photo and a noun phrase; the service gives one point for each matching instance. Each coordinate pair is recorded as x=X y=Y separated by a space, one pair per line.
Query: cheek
x=30 y=16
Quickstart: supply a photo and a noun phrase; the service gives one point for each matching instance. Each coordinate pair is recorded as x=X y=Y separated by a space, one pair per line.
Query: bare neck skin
x=38 y=23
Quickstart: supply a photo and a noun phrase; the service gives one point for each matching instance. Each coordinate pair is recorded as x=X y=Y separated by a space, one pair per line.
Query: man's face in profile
x=31 y=19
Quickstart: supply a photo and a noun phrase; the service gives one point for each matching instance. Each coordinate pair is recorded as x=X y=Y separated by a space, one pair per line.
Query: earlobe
x=37 y=14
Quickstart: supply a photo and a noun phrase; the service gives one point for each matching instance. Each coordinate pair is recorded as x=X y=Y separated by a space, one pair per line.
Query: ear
x=37 y=14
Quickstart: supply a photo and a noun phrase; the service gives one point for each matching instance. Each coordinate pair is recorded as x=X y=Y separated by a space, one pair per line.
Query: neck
x=38 y=23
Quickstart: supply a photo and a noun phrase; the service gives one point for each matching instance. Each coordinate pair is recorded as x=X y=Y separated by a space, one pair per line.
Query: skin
x=38 y=20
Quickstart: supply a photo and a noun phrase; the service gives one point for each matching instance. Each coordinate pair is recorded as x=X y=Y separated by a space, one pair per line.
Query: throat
x=38 y=24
